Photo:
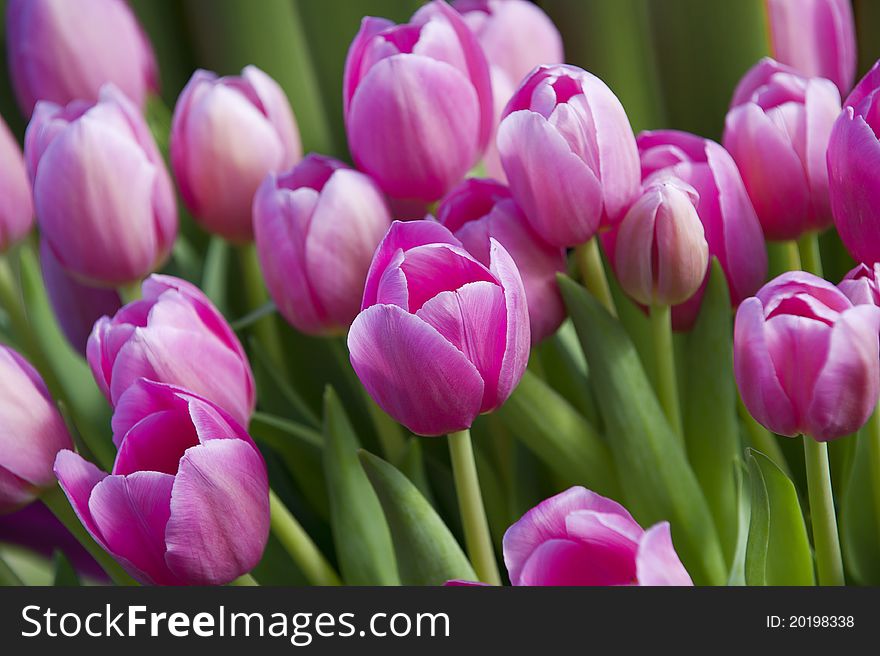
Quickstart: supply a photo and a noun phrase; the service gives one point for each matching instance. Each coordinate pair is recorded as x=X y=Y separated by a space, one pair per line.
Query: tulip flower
x=172 y=335
x=417 y=102
x=63 y=51
x=76 y=306
x=581 y=538
x=806 y=359
x=31 y=432
x=124 y=227
x=777 y=131
x=862 y=285
x=477 y=211
x=816 y=37
x=187 y=502
x=731 y=227
x=441 y=338
x=16 y=209
x=226 y=134
x=316 y=229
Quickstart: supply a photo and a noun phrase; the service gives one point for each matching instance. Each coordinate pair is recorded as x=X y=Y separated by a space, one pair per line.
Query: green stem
x=792 y=255
x=57 y=502
x=299 y=545
x=872 y=434
x=589 y=261
x=130 y=292
x=245 y=580
x=664 y=353
x=829 y=562
x=265 y=329
x=762 y=439
x=470 y=505
x=811 y=258
x=8 y=577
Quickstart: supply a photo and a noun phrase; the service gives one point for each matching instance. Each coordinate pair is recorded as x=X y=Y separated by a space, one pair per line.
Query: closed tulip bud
x=124 y=226
x=417 y=102
x=63 y=51
x=569 y=154
x=806 y=359
x=187 y=502
x=173 y=335
x=862 y=285
x=316 y=229
x=441 y=338
x=662 y=255
x=817 y=37
x=31 y=432
x=478 y=211
x=226 y=134
x=581 y=538
x=16 y=209
x=777 y=131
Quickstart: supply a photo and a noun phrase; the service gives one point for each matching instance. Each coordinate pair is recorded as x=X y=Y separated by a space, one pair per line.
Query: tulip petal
x=78 y=477
x=435 y=268
x=156 y=443
x=518 y=338
x=656 y=562
x=370 y=27
x=15 y=492
x=568 y=563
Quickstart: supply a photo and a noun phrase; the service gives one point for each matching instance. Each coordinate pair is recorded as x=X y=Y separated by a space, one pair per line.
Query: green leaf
x=778 y=550
x=275 y=393
x=427 y=553
x=361 y=536
x=565 y=370
x=65 y=574
x=737 y=574
x=657 y=481
x=8 y=577
x=214 y=273
x=859 y=529
x=554 y=431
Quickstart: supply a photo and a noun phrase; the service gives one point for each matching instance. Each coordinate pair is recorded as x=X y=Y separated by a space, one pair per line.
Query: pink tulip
x=817 y=37
x=569 y=154
x=661 y=254
x=729 y=222
x=580 y=538
x=477 y=211
x=226 y=134
x=63 y=51
x=31 y=432
x=777 y=131
x=806 y=359
x=173 y=335
x=417 y=101
x=187 y=502
x=103 y=198
x=16 y=209
x=316 y=228
x=441 y=338
x=862 y=285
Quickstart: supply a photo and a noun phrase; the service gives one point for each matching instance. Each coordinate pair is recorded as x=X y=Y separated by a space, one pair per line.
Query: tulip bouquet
x=414 y=303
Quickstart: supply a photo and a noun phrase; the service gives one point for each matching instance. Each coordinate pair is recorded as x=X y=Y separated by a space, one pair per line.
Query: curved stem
x=811 y=258
x=299 y=545
x=470 y=505
x=792 y=255
x=589 y=261
x=664 y=353
x=829 y=562
x=265 y=328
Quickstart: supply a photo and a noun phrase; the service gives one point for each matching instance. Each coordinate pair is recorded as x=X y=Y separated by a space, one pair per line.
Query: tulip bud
x=862 y=285
x=478 y=211
x=579 y=538
x=31 y=432
x=816 y=37
x=187 y=502
x=16 y=209
x=417 y=102
x=173 y=335
x=441 y=338
x=777 y=131
x=63 y=51
x=806 y=359
x=569 y=154
x=317 y=227
x=103 y=198
x=226 y=134
x=662 y=255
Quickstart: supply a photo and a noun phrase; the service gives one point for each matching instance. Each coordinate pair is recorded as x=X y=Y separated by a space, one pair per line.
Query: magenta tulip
x=31 y=432
x=124 y=227
x=16 y=209
x=777 y=131
x=580 y=538
x=661 y=252
x=569 y=154
x=441 y=338
x=173 y=335
x=862 y=285
x=187 y=502
x=817 y=37
x=226 y=135
x=806 y=359
x=477 y=211
x=63 y=51
x=316 y=229
x=417 y=101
